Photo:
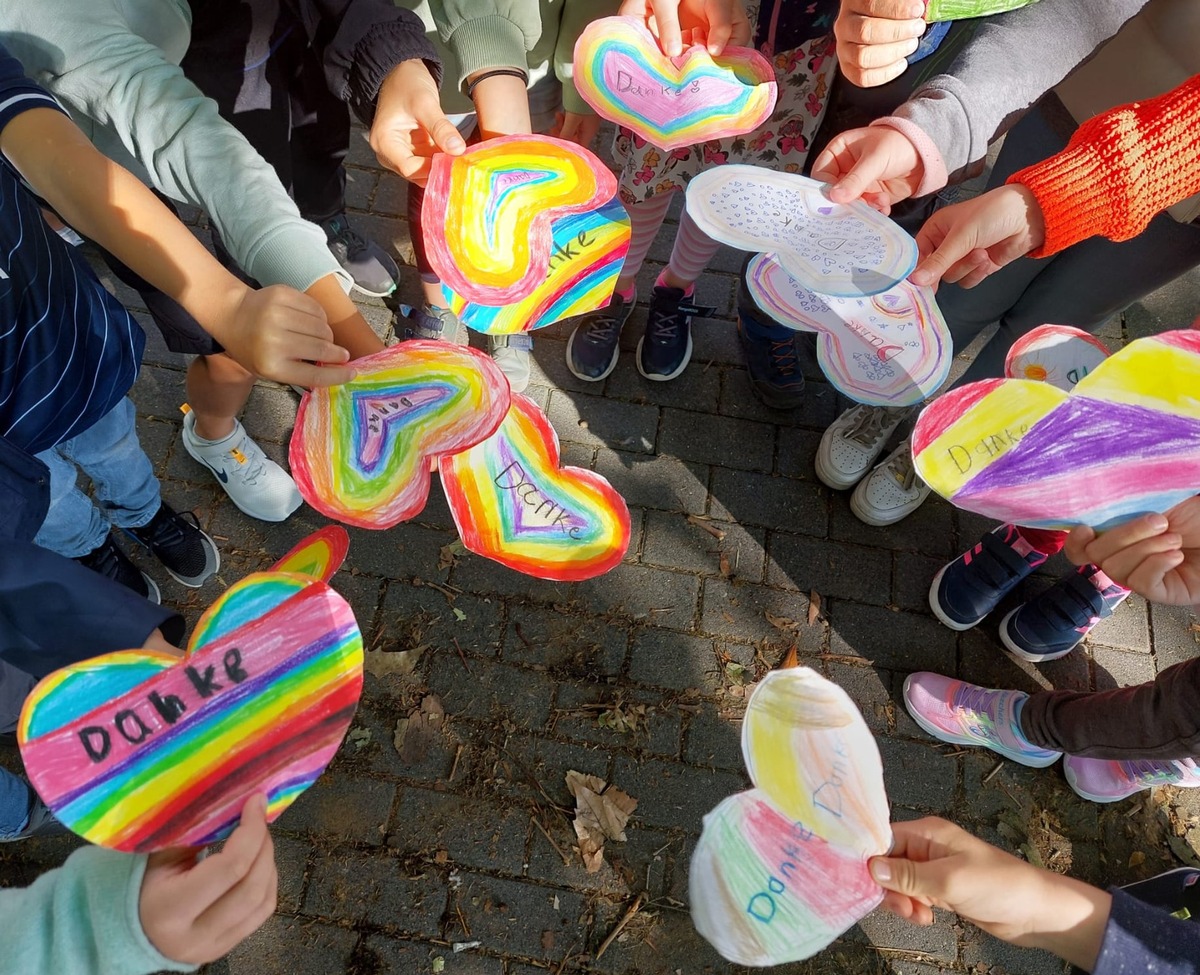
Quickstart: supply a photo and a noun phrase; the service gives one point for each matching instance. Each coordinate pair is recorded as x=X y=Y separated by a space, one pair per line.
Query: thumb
x=943 y=257
x=908 y=877
x=856 y=182
x=442 y=132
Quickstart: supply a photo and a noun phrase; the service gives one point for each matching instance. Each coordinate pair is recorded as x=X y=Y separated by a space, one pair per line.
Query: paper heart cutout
x=621 y=71
x=781 y=870
x=1124 y=442
x=587 y=251
x=487 y=213
x=513 y=504
x=1060 y=355
x=847 y=250
x=140 y=750
x=319 y=555
x=891 y=349
x=361 y=452
x=937 y=11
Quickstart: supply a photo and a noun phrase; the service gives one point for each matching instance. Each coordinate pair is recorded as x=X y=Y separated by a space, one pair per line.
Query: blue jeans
x=126 y=490
x=15 y=798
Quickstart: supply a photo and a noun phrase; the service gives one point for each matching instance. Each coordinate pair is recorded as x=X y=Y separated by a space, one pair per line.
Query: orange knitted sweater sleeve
x=1119 y=170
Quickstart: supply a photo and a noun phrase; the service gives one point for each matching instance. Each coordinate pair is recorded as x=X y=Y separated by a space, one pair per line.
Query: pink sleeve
x=934 y=167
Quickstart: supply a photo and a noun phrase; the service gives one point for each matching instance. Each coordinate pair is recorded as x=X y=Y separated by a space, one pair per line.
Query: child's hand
x=410 y=125
x=877 y=164
x=966 y=242
x=195 y=912
x=1157 y=556
x=714 y=23
x=875 y=36
x=577 y=128
x=281 y=334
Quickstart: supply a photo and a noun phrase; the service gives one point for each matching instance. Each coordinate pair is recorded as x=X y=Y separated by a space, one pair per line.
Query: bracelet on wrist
x=495 y=73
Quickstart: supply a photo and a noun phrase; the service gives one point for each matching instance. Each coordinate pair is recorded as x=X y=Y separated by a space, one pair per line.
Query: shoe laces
x=783 y=357
x=900 y=466
x=343 y=233
x=106 y=560
x=602 y=326
x=249 y=462
x=870 y=423
x=167 y=529
x=977 y=701
x=1147 y=770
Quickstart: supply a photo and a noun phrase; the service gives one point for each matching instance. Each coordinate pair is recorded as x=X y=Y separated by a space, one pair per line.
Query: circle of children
x=241 y=108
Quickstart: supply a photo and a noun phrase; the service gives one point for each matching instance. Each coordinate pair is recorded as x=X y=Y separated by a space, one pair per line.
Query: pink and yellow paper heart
x=781 y=870
x=487 y=215
x=361 y=452
x=621 y=71
x=513 y=504
x=1124 y=442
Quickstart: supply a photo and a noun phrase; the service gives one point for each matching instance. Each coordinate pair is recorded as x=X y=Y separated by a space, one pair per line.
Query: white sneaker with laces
x=511 y=354
x=254 y=482
x=853 y=442
x=891 y=492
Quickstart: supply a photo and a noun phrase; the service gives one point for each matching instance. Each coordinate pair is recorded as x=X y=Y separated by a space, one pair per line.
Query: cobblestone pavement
x=392 y=862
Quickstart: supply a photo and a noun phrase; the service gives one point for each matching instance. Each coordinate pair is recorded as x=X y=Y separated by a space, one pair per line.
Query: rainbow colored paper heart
x=621 y=71
x=891 y=349
x=319 y=555
x=587 y=251
x=487 y=214
x=1124 y=442
x=1060 y=355
x=140 y=750
x=846 y=250
x=781 y=870
x=361 y=452
x=512 y=503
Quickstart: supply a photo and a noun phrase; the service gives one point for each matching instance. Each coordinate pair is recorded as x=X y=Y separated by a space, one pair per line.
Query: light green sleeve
x=576 y=15
x=485 y=34
x=99 y=68
x=81 y=919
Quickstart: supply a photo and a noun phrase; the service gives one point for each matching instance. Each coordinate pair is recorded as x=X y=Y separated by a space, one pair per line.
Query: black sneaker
x=373 y=271
x=112 y=563
x=666 y=348
x=595 y=345
x=178 y=543
x=429 y=322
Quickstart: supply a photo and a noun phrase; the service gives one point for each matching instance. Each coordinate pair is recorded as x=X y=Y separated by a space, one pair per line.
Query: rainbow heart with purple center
x=1125 y=441
x=513 y=504
x=621 y=71
x=781 y=870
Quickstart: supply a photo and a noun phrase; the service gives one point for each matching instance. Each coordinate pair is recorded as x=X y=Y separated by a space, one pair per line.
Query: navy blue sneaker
x=772 y=353
x=971 y=586
x=1053 y=623
x=595 y=345
x=666 y=348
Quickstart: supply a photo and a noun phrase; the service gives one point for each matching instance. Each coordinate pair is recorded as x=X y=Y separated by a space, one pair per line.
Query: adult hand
x=195 y=912
x=878 y=165
x=934 y=863
x=714 y=23
x=875 y=36
x=410 y=125
x=966 y=242
x=580 y=129
x=1157 y=556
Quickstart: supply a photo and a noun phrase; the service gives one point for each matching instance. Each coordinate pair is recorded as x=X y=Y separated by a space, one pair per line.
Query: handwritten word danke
x=990 y=446
x=564 y=253
x=762 y=906
x=514 y=479
x=625 y=83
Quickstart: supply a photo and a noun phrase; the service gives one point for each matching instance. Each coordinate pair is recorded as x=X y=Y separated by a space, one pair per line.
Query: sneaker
x=512 y=354
x=41 y=822
x=374 y=272
x=772 y=355
x=891 y=492
x=666 y=348
x=967 y=589
x=595 y=345
x=111 y=562
x=1105 y=781
x=959 y=713
x=178 y=543
x=432 y=322
x=255 y=483
x=1050 y=625
x=852 y=443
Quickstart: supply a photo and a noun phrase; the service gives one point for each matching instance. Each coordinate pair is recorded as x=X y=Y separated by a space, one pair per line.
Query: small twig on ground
x=521 y=636
x=454 y=768
x=562 y=965
x=701 y=522
x=461 y=920
x=628 y=916
x=461 y=656
x=992 y=774
x=550 y=839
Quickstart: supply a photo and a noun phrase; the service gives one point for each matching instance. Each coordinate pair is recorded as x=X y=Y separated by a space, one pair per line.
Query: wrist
x=501 y=102
x=929 y=170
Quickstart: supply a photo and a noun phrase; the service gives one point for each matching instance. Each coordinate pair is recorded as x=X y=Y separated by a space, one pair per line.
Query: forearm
x=350 y=329
x=1073 y=920
x=502 y=105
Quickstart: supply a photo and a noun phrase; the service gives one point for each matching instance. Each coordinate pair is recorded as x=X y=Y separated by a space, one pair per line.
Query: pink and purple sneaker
x=966 y=714
x=1108 y=781
x=1051 y=624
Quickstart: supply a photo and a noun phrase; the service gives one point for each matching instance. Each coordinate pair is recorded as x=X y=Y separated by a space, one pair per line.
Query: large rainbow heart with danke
x=621 y=71
x=513 y=504
x=487 y=214
x=140 y=750
x=1124 y=442
x=361 y=452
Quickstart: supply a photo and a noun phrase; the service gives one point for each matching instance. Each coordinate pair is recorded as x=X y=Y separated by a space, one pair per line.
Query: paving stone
x=884 y=930
x=423 y=613
x=741 y=444
x=455 y=749
x=983 y=662
x=489 y=689
x=870 y=689
x=891 y=639
x=388 y=956
x=473 y=832
x=377 y=889
x=740 y=612
x=1172 y=306
x=794 y=456
x=537 y=767
x=928 y=530
x=912 y=575
x=474 y=573
x=655 y=481
x=1174 y=638
x=774 y=502
x=1127 y=629
x=345 y=808
x=818 y=408
x=842 y=571
x=990 y=792
x=674 y=542
x=1001 y=958
x=578 y=709
x=699 y=393
x=567 y=645
x=291 y=860
x=918 y=775
x=713 y=341
x=298 y=946
x=510 y=916
x=1116 y=668
x=711 y=739
x=653 y=596
x=270 y=413
x=360 y=187
x=681 y=794
x=678 y=661
x=598 y=422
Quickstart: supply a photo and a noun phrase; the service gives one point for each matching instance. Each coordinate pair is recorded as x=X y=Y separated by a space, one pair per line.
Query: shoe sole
x=355 y=286
x=659 y=377
x=1034 y=658
x=868 y=517
x=941 y=613
x=244 y=510
x=154 y=594
x=950 y=739
x=1083 y=794
x=591 y=379
x=831 y=478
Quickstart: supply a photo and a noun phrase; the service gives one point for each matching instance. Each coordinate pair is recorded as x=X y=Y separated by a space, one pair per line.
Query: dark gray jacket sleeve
x=1140 y=938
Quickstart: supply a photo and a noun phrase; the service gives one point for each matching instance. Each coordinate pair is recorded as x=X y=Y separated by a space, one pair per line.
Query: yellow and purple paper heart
x=891 y=349
x=587 y=251
x=942 y=10
x=487 y=216
x=361 y=452
x=621 y=71
x=1124 y=442
x=843 y=249
x=140 y=750
x=781 y=870
x=513 y=504
x=1060 y=355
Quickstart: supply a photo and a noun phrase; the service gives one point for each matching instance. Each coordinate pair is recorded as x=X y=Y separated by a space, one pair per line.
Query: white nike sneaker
x=891 y=492
x=853 y=442
x=511 y=354
x=254 y=482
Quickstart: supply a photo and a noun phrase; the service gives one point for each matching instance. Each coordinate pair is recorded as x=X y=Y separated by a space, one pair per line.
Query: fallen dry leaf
x=791 y=660
x=383 y=663
x=785 y=623
x=448 y=554
x=814 y=607
x=415 y=733
x=707 y=525
x=547 y=941
x=601 y=812
x=1137 y=858
x=726 y=568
